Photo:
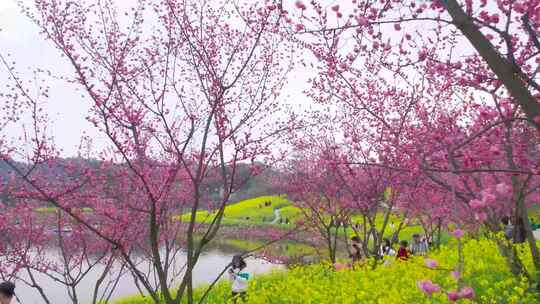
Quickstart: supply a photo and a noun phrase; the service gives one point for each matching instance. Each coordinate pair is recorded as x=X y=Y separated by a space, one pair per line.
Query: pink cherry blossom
x=431 y=263
x=466 y=293
x=503 y=189
x=453 y=296
x=495 y=150
x=444 y=156
x=422 y=55
x=300 y=5
x=136 y=185
x=362 y=21
x=480 y=216
x=457 y=233
x=428 y=287
x=477 y=204
x=488 y=197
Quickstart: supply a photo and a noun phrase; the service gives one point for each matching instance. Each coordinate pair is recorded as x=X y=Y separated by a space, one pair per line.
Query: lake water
x=210 y=264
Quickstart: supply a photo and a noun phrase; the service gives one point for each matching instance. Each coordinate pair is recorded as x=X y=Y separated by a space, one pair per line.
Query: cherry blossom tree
x=313 y=183
x=403 y=83
x=335 y=193
x=471 y=43
x=184 y=91
x=430 y=205
x=47 y=245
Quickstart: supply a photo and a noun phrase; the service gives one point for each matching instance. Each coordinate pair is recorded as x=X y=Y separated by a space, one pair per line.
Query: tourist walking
x=419 y=246
x=239 y=277
x=7 y=293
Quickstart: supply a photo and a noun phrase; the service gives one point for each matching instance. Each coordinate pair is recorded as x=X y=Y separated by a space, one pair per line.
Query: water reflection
x=209 y=266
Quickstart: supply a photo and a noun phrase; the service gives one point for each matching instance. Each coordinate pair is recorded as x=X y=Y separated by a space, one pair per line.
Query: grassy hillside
x=253 y=211
x=284 y=248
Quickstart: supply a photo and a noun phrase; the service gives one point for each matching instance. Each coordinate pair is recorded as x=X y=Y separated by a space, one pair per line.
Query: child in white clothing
x=240 y=278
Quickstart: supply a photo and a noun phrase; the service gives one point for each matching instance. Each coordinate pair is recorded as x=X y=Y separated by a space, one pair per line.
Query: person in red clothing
x=403 y=252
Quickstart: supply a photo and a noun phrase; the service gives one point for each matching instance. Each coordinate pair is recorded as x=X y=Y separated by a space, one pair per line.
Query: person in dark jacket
x=508 y=227
x=521 y=234
x=7 y=293
x=356 y=250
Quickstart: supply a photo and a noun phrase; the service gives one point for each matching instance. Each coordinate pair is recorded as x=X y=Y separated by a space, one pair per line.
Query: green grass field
x=252 y=211
x=284 y=248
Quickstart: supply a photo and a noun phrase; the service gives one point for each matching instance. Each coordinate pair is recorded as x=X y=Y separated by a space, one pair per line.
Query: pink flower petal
x=477 y=204
x=428 y=287
x=431 y=263
x=300 y=5
x=488 y=197
x=503 y=189
x=457 y=233
x=362 y=21
x=452 y=295
x=466 y=293
x=480 y=216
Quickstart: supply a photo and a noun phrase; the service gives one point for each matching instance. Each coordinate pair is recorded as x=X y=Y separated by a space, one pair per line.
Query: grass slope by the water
x=396 y=282
x=284 y=248
x=253 y=211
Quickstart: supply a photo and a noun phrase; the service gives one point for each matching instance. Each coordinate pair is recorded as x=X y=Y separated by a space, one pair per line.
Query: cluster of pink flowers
x=487 y=199
x=429 y=288
x=431 y=263
x=457 y=233
x=464 y=293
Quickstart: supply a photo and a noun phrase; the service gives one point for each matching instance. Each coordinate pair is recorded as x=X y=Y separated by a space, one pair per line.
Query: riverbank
x=271 y=215
x=260 y=213
x=395 y=282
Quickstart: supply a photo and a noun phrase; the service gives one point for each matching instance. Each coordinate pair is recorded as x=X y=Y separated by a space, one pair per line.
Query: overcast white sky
x=20 y=38
x=66 y=107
